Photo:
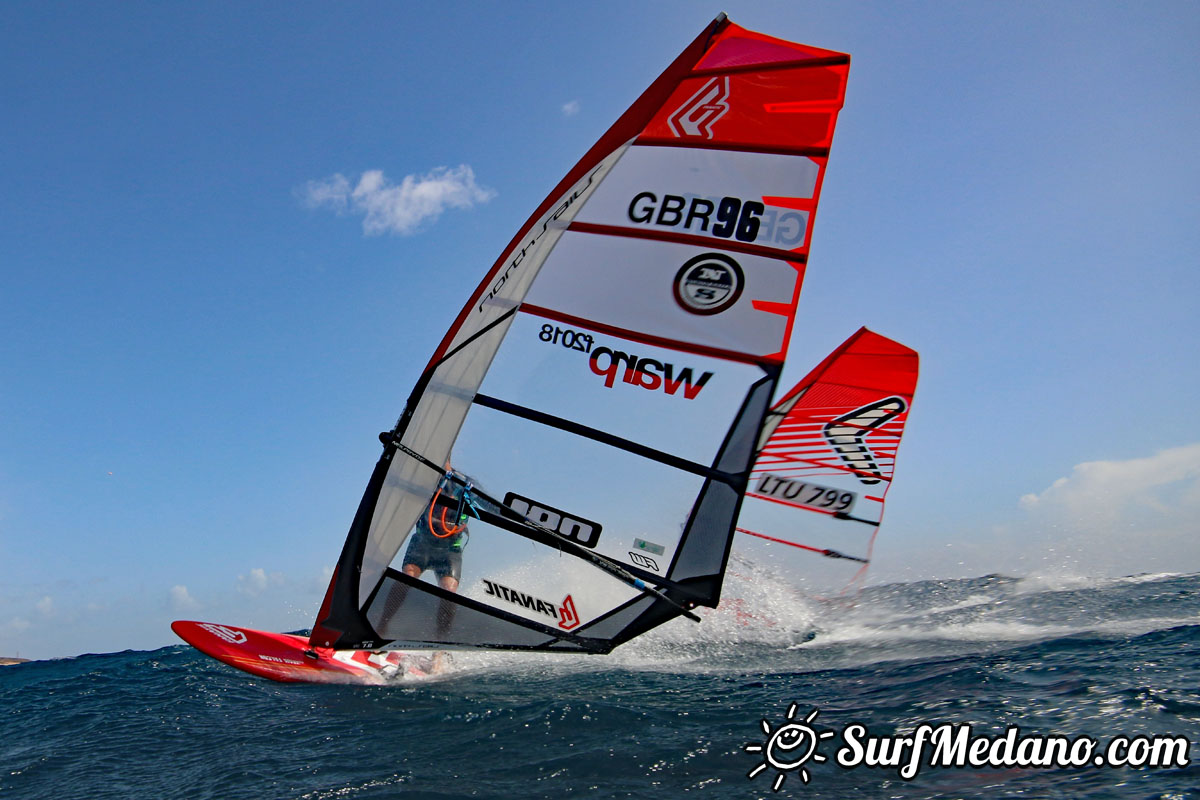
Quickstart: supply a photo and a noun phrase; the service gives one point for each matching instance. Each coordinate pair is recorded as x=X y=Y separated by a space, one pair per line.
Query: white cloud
x=570 y=109
x=1110 y=489
x=334 y=191
x=45 y=606
x=398 y=208
x=1136 y=515
x=181 y=600
x=258 y=581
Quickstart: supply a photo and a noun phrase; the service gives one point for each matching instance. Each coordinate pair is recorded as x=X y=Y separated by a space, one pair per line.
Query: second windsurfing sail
x=828 y=451
x=600 y=396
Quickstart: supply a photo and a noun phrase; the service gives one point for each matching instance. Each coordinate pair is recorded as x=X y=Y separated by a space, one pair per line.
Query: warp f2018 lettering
x=570 y=339
x=646 y=373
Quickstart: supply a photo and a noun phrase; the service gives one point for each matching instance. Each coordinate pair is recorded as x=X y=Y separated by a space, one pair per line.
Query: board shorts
x=428 y=552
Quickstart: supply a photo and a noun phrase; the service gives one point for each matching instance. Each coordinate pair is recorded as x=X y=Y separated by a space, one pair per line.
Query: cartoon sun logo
x=789 y=747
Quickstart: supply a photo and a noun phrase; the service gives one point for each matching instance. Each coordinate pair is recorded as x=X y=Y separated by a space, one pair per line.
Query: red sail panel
x=755 y=91
x=790 y=110
x=738 y=47
x=829 y=448
x=842 y=423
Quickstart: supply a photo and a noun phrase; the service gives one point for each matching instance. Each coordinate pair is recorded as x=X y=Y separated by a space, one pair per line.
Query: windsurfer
x=440 y=536
x=437 y=544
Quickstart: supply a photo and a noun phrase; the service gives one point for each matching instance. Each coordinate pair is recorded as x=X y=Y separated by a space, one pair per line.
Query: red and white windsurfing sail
x=828 y=450
x=606 y=383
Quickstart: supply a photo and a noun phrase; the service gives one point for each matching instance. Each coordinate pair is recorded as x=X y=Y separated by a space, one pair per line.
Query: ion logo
x=847 y=434
x=228 y=634
x=708 y=284
x=576 y=529
x=702 y=110
x=646 y=373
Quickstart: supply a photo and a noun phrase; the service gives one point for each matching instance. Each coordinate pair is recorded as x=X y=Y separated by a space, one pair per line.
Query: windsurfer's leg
x=399 y=591
x=447 y=572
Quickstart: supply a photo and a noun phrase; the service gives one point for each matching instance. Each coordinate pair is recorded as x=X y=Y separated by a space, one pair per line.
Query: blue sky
x=196 y=357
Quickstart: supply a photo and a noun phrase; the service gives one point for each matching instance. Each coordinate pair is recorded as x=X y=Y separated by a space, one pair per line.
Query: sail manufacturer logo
x=697 y=116
x=565 y=615
x=535 y=238
x=708 y=284
x=646 y=373
x=847 y=435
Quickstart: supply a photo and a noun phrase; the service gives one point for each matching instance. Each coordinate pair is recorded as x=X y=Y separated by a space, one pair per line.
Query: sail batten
x=688 y=239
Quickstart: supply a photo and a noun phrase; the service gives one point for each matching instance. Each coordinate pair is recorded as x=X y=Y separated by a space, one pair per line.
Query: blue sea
x=670 y=715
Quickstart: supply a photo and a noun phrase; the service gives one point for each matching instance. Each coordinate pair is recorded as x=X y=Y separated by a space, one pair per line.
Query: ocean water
x=670 y=715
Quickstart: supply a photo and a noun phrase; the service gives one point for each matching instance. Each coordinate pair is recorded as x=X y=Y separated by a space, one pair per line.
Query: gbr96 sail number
x=727 y=217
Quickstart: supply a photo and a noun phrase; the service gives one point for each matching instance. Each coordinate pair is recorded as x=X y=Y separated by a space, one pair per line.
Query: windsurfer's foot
x=441 y=660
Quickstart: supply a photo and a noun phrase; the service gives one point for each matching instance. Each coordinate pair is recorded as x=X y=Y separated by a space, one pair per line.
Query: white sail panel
x=625 y=495
x=701 y=296
x=679 y=403
x=705 y=192
x=600 y=496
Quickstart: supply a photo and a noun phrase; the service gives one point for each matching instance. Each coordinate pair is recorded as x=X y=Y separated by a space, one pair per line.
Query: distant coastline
x=6 y=661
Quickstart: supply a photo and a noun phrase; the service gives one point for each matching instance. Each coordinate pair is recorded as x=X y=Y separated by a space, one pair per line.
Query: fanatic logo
x=566 y=615
x=697 y=116
x=228 y=634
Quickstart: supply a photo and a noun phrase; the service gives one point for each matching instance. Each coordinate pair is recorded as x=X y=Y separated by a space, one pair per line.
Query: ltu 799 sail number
x=572 y=340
